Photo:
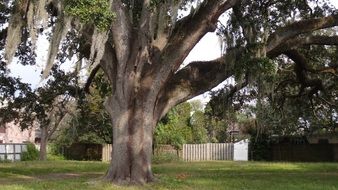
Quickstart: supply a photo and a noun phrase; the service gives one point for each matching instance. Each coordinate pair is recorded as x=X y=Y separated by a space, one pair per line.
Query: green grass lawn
x=72 y=175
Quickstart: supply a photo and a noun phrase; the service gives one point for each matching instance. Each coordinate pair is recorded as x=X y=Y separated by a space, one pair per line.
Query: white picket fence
x=216 y=151
x=12 y=151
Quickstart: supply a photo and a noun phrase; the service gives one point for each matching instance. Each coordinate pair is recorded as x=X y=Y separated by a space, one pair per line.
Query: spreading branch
x=303 y=40
x=305 y=26
x=188 y=32
x=301 y=69
x=198 y=77
x=183 y=83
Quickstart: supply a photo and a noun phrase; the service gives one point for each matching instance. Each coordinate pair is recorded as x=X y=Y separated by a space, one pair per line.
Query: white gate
x=241 y=150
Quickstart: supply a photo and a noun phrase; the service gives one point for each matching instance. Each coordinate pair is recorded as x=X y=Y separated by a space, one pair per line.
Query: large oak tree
x=141 y=46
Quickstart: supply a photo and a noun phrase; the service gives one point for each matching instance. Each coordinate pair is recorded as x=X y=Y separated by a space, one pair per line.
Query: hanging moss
x=99 y=40
x=255 y=62
x=31 y=24
x=14 y=30
x=26 y=15
x=59 y=32
x=14 y=34
x=95 y=12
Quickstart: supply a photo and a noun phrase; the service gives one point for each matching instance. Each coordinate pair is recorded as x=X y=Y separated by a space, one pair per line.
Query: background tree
x=11 y=90
x=185 y=123
x=174 y=128
x=91 y=124
x=10 y=87
x=198 y=125
x=93 y=116
x=47 y=107
x=141 y=45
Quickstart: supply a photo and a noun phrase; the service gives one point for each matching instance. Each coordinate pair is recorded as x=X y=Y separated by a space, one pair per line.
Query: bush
x=53 y=157
x=31 y=154
x=5 y=161
x=260 y=148
x=165 y=158
x=54 y=153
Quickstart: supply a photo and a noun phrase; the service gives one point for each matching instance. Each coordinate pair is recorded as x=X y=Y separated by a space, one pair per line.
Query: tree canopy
x=141 y=46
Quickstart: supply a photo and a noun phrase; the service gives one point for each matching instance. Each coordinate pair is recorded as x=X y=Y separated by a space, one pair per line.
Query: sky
x=207 y=49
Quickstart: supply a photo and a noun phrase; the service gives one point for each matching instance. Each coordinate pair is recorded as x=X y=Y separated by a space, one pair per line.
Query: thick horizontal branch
x=303 y=40
x=197 y=78
x=190 y=30
x=301 y=69
x=301 y=27
x=188 y=84
x=319 y=40
x=275 y=41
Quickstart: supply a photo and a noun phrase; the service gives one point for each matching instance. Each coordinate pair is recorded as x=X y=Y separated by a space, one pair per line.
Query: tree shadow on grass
x=13 y=178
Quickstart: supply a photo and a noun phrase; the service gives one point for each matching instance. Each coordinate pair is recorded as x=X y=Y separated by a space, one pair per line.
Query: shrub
x=165 y=158
x=54 y=153
x=260 y=148
x=31 y=154
x=5 y=161
x=53 y=157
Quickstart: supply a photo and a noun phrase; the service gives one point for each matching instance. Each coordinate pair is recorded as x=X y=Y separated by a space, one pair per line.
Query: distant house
x=12 y=133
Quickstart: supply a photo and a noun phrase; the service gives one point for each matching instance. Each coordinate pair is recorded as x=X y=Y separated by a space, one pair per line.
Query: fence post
x=5 y=151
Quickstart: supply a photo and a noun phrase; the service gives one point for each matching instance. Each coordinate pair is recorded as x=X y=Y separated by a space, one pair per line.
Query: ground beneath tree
x=215 y=175
x=49 y=177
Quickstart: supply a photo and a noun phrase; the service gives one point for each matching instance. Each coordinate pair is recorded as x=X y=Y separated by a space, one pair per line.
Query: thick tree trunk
x=132 y=142
x=43 y=144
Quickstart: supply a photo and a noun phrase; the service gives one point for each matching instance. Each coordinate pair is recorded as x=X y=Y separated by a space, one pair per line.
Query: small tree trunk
x=132 y=145
x=43 y=144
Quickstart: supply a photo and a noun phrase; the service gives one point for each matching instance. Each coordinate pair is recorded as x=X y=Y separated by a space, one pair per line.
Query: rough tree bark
x=143 y=71
x=43 y=144
x=57 y=116
x=139 y=67
x=142 y=58
x=132 y=142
